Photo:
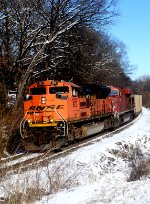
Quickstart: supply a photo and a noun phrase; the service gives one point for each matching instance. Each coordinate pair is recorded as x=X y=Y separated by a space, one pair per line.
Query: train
x=59 y=113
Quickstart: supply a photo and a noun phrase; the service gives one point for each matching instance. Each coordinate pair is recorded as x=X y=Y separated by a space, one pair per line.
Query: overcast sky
x=133 y=28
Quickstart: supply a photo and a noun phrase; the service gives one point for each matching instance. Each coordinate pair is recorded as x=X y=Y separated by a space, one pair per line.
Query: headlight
x=43 y=100
x=51 y=120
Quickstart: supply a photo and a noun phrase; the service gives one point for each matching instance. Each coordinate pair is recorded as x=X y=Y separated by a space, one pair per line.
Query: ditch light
x=43 y=100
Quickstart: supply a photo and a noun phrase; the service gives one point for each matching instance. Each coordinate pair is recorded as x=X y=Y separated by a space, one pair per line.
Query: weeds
x=28 y=197
x=32 y=185
x=3 y=136
x=9 y=125
x=138 y=163
x=140 y=170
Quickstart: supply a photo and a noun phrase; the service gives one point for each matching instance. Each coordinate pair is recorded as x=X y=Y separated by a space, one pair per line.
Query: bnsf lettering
x=60 y=107
x=36 y=108
x=40 y=108
x=32 y=108
x=52 y=107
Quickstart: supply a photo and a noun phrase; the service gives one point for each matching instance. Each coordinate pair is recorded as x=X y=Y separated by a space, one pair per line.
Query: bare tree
x=142 y=86
x=109 y=64
x=35 y=25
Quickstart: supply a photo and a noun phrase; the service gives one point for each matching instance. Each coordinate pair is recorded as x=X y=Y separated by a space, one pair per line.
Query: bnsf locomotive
x=57 y=113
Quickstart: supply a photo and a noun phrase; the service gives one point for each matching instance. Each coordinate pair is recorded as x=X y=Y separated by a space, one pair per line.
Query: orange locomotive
x=57 y=113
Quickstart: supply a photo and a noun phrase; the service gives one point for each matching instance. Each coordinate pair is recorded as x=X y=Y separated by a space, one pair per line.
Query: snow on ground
x=103 y=178
x=97 y=173
x=106 y=190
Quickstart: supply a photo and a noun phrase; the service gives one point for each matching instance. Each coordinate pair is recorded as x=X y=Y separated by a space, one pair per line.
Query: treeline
x=142 y=86
x=59 y=39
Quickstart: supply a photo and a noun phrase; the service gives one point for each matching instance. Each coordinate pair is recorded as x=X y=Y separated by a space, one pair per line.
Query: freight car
x=58 y=113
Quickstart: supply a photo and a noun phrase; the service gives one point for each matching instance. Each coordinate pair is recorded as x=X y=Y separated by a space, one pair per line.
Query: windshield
x=38 y=91
x=113 y=93
x=59 y=89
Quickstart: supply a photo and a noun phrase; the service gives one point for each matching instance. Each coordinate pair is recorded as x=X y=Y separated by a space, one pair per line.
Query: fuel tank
x=92 y=129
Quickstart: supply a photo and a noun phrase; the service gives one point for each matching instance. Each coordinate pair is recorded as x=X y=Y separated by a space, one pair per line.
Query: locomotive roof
x=55 y=83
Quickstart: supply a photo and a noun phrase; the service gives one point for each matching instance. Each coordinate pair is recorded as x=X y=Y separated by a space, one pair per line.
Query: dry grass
x=3 y=136
x=27 y=197
x=32 y=185
x=138 y=163
x=140 y=170
x=9 y=123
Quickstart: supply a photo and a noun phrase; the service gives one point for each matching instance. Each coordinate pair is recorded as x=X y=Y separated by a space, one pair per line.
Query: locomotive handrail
x=61 y=117
x=116 y=113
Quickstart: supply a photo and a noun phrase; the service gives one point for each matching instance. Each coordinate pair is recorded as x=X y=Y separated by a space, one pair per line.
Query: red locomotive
x=57 y=113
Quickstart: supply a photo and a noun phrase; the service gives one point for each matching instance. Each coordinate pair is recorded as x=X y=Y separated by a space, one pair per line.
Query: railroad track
x=23 y=162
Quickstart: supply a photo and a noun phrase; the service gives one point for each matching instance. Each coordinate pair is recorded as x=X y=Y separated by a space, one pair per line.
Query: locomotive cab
x=47 y=103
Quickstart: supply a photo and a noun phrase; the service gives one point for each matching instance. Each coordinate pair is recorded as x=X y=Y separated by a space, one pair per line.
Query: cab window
x=59 y=89
x=114 y=93
x=38 y=91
